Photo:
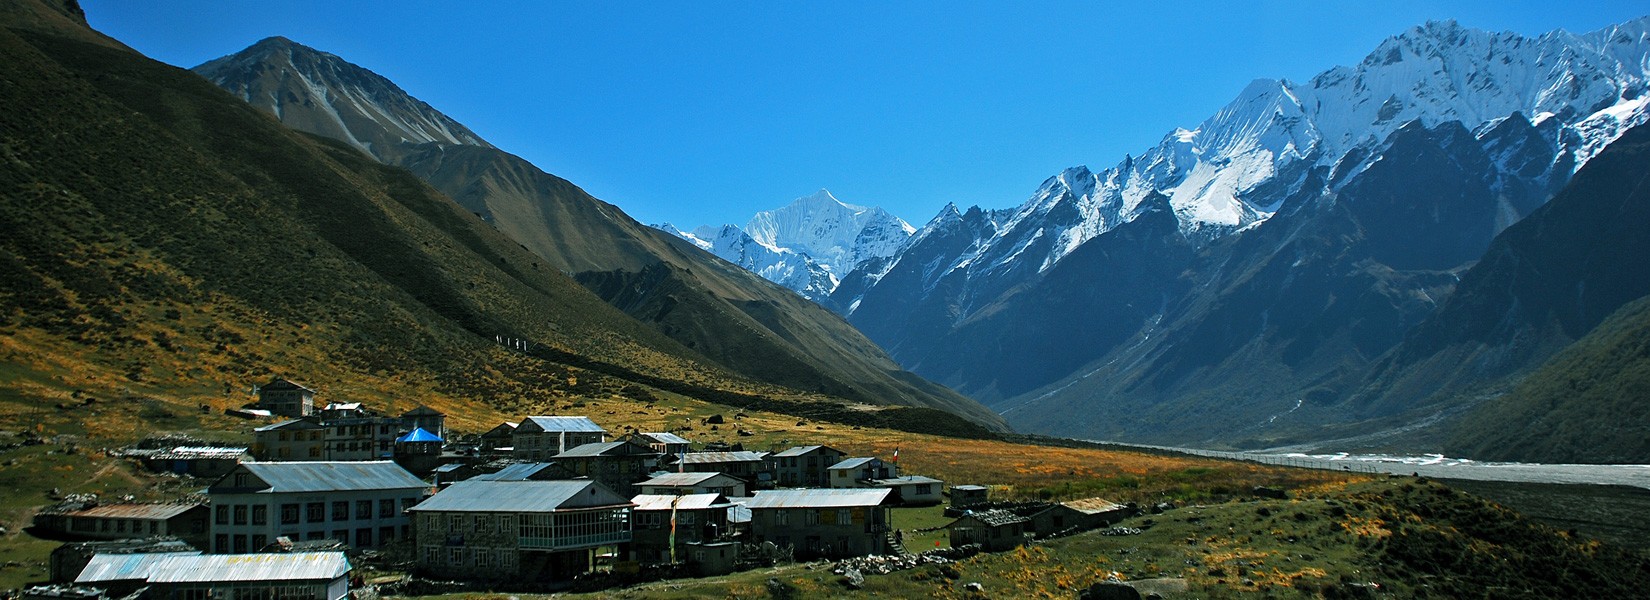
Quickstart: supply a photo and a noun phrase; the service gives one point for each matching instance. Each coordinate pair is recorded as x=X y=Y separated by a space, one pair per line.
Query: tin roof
x=853 y=463
x=187 y=568
x=1093 y=505
x=564 y=424
x=666 y=438
x=681 y=479
x=687 y=502
x=135 y=511
x=619 y=448
x=701 y=458
x=801 y=450
x=905 y=480
x=818 y=498
x=327 y=476
x=292 y=424
x=520 y=497
x=970 y=488
x=283 y=384
x=423 y=411
x=418 y=435
x=515 y=472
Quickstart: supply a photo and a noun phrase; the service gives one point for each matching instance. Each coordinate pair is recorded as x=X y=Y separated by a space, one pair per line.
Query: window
x=240 y=544
x=258 y=542
x=407 y=503
x=240 y=514
x=781 y=517
x=844 y=516
x=340 y=511
x=685 y=518
x=314 y=451
x=289 y=514
x=455 y=557
x=924 y=489
x=506 y=559
x=386 y=508
x=483 y=557
x=363 y=510
x=386 y=535
x=342 y=535
x=260 y=514
x=220 y=542
x=431 y=554
x=363 y=537
x=480 y=523
x=221 y=514
x=811 y=517
x=120 y=526
x=281 y=436
x=317 y=512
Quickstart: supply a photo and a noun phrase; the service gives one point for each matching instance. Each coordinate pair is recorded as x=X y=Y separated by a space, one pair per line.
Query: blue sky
x=706 y=112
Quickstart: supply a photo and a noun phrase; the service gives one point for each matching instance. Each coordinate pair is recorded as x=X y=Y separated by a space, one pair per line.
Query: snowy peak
x=320 y=93
x=807 y=245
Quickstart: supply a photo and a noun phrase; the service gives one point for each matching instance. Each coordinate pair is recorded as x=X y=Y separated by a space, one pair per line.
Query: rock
x=780 y=590
x=745 y=433
x=715 y=419
x=1266 y=492
x=974 y=586
x=1109 y=590
x=853 y=579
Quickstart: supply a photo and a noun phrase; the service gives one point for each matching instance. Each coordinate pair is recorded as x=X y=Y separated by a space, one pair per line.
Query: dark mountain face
x=725 y=314
x=1545 y=282
x=1143 y=334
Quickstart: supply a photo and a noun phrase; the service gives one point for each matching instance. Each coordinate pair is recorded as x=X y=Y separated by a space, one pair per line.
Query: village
x=543 y=504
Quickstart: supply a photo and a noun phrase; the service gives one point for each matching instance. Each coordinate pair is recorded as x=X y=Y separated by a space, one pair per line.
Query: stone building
x=518 y=530
x=805 y=466
x=357 y=503
x=822 y=523
x=286 y=398
x=539 y=438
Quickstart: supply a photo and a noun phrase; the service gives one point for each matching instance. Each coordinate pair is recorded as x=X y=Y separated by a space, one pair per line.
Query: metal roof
x=970 y=488
x=201 y=568
x=515 y=472
x=327 y=476
x=701 y=458
x=819 y=498
x=682 y=479
x=564 y=424
x=418 y=435
x=292 y=423
x=423 y=411
x=596 y=449
x=1093 y=505
x=666 y=438
x=739 y=513
x=520 y=497
x=992 y=518
x=135 y=511
x=801 y=450
x=283 y=384
x=905 y=480
x=853 y=463
x=123 y=567
x=687 y=502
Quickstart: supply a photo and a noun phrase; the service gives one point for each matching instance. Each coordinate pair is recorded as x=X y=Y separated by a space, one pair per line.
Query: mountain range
x=1239 y=283
x=807 y=245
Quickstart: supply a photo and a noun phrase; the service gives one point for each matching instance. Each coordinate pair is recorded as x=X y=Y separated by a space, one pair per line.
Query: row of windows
x=219 y=591
x=312 y=512
x=827 y=516
x=362 y=538
x=122 y=525
x=470 y=557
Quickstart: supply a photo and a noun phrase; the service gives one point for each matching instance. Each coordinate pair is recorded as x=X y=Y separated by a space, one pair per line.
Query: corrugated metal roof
x=293 y=424
x=687 y=502
x=853 y=463
x=284 y=384
x=515 y=472
x=418 y=435
x=969 y=488
x=322 y=476
x=1093 y=505
x=564 y=424
x=520 y=496
x=739 y=513
x=818 y=498
x=619 y=448
x=200 y=568
x=135 y=511
x=423 y=411
x=666 y=438
x=680 y=479
x=700 y=458
x=799 y=451
x=123 y=567
x=905 y=480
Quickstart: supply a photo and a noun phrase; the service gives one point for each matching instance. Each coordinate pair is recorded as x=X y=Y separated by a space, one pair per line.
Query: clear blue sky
x=706 y=112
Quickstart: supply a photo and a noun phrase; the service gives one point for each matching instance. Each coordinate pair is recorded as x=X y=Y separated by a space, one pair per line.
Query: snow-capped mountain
x=808 y=245
x=319 y=92
x=1314 y=224
x=1231 y=171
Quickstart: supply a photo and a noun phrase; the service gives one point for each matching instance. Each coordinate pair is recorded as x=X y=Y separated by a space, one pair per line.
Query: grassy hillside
x=164 y=240
x=734 y=318
x=1591 y=402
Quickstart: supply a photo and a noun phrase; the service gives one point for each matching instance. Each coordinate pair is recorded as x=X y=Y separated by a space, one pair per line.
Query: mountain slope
x=1326 y=219
x=732 y=317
